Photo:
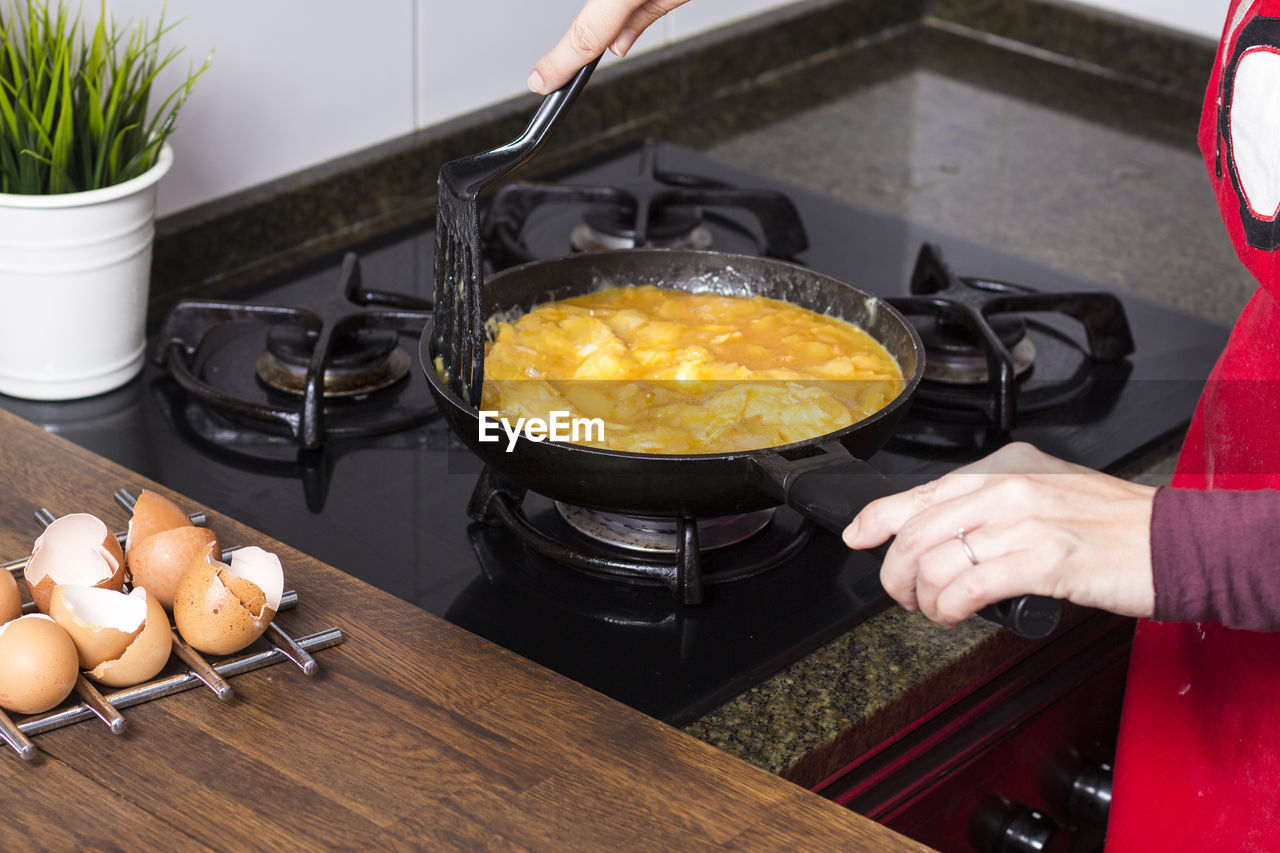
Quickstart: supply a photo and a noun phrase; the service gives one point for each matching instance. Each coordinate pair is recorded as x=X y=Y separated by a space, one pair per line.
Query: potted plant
x=82 y=146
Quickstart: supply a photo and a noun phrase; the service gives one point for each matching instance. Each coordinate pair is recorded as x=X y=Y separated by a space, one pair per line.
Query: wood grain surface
x=413 y=735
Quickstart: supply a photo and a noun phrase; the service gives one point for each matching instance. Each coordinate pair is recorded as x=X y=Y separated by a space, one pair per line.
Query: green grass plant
x=74 y=102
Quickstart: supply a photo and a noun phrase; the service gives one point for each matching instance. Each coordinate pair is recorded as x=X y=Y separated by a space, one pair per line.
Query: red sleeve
x=1215 y=557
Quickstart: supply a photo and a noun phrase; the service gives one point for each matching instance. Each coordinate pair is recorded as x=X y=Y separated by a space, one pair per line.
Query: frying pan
x=825 y=478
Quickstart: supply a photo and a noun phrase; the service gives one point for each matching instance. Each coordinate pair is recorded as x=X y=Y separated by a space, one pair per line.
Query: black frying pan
x=824 y=478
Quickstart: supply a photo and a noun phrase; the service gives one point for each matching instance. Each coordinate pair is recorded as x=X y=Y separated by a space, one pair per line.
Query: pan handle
x=832 y=485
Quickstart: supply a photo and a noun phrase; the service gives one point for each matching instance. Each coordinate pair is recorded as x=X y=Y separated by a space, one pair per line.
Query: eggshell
x=75 y=549
x=38 y=665
x=152 y=514
x=159 y=561
x=146 y=655
x=10 y=598
x=221 y=608
x=101 y=622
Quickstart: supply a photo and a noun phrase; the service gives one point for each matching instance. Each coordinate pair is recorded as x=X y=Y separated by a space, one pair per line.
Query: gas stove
x=368 y=478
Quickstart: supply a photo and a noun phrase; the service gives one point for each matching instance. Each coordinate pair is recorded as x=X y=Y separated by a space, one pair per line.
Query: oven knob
x=1090 y=797
x=1030 y=831
x=1018 y=829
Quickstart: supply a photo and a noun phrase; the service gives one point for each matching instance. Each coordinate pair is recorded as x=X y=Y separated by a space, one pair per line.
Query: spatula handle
x=469 y=175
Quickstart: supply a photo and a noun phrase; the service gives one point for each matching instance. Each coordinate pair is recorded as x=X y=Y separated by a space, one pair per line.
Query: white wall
x=1202 y=17
x=297 y=82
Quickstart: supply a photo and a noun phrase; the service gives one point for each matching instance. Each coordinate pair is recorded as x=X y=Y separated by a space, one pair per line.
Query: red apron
x=1198 y=766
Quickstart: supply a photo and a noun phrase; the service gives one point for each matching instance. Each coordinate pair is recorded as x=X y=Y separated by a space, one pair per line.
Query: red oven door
x=1021 y=762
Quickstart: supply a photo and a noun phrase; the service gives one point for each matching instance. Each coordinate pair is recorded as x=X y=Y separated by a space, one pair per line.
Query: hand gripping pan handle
x=832 y=487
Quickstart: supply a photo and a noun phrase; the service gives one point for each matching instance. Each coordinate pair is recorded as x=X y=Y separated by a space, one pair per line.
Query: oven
x=1020 y=762
x=300 y=409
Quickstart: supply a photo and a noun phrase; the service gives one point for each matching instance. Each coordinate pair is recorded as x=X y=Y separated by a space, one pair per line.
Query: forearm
x=1215 y=557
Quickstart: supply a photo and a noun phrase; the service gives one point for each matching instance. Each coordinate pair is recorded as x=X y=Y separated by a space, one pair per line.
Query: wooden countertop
x=414 y=734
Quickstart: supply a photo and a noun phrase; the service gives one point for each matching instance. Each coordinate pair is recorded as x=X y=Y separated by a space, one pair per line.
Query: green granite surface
x=1065 y=136
x=807 y=721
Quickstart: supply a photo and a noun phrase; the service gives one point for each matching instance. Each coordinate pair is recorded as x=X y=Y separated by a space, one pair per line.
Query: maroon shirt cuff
x=1215 y=557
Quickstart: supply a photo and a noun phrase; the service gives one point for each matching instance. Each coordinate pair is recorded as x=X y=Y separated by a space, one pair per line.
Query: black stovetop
x=392 y=509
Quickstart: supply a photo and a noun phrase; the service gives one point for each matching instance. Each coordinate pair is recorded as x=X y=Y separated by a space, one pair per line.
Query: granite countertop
x=1065 y=136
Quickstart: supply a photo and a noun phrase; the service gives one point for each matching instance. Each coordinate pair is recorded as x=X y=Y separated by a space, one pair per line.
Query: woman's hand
x=612 y=24
x=1033 y=523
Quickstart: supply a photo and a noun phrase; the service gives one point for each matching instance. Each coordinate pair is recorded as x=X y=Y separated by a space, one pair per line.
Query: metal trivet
x=106 y=708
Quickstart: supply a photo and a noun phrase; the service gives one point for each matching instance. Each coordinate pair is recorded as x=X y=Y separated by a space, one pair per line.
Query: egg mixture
x=669 y=371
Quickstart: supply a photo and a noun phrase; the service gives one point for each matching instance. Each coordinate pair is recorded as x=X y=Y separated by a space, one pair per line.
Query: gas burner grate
x=93 y=704
x=657 y=208
x=686 y=569
x=317 y=372
x=976 y=339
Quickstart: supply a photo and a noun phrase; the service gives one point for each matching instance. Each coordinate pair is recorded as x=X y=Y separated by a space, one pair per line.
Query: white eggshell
x=146 y=655
x=262 y=568
x=76 y=549
x=101 y=622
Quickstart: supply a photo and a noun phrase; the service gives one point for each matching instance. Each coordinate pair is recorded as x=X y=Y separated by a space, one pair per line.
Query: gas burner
x=334 y=368
x=952 y=356
x=359 y=363
x=662 y=552
x=676 y=227
x=661 y=535
x=979 y=353
x=657 y=208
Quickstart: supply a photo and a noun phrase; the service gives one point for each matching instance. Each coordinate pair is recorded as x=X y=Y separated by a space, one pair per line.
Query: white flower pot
x=75 y=270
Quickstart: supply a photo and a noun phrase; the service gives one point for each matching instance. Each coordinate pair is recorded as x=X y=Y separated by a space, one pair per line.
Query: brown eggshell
x=221 y=608
x=152 y=514
x=101 y=622
x=75 y=549
x=112 y=546
x=159 y=561
x=38 y=665
x=10 y=598
x=146 y=655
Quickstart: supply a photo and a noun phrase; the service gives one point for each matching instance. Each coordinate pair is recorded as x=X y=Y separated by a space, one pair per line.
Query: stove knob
x=1090 y=797
x=1030 y=831
x=1019 y=829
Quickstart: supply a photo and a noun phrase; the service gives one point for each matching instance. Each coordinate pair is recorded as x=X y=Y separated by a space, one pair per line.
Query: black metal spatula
x=459 y=312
